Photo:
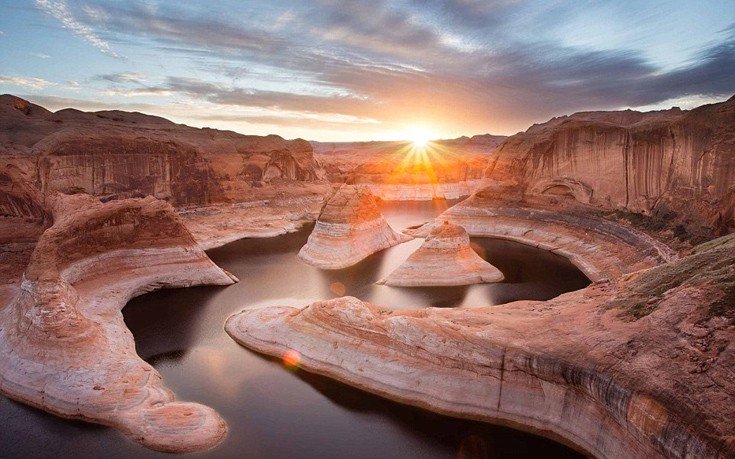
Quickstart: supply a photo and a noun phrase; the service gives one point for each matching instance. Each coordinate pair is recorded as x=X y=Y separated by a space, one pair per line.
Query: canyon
x=639 y=364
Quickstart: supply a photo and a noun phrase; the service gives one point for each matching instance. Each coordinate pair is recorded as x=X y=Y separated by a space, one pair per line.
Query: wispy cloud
x=41 y=55
x=59 y=10
x=467 y=65
x=25 y=82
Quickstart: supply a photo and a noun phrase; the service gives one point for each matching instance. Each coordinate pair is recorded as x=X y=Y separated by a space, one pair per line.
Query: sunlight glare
x=419 y=136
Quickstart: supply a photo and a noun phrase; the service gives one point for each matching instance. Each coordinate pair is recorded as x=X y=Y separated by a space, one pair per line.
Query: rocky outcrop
x=599 y=247
x=64 y=346
x=350 y=227
x=400 y=171
x=444 y=259
x=640 y=367
x=678 y=166
x=115 y=154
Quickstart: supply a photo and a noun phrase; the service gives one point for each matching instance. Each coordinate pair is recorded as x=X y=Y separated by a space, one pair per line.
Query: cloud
x=25 y=82
x=41 y=55
x=468 y=65
x=123 y=77
x=59 y=10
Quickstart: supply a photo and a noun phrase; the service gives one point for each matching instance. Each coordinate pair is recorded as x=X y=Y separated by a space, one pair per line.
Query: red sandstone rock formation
x=121 y=154
x=676 y=165
x=444 y=259
x=64 y=346
x=599 y=247
x=350 y=227
x=640 y=367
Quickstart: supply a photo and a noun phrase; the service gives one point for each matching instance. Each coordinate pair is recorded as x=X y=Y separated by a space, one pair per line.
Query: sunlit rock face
x=676 y=165
x=117 y=154
x=639 y=367
x=225 y=185
x=350 y=227
x=64 y=346
x=444 y=259
x=599 y=247
x=400 y=171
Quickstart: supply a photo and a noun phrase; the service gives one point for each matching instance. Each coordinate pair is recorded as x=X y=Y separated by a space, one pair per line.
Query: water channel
x=274 y=412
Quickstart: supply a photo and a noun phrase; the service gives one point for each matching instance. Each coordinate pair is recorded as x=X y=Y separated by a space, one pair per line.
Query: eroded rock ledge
x=64 y=346
x=600 y=248
x=350 y=227
x=605 y=369
x=444 y=259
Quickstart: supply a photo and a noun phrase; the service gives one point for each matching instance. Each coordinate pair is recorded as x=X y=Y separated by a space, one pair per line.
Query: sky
x=367 y=69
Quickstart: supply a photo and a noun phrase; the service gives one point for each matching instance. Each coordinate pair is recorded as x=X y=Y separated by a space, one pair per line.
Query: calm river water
x=273 y=412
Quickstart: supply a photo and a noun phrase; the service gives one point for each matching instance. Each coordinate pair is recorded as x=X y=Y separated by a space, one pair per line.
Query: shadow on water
x=145 y=314
x=461 y=438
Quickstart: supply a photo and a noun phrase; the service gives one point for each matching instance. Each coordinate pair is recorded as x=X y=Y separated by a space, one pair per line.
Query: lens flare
x=292 y=359
x=338 y=288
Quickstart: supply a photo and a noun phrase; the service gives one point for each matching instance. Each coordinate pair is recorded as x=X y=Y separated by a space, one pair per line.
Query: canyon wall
x=115 y=154
x=677 y=166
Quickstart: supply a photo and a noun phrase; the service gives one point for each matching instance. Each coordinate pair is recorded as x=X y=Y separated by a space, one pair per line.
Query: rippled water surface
x=273 y=412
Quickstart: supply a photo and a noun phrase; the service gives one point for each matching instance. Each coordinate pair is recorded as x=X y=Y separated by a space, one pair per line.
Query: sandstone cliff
x=349 y=228
x=445 y=258
x=678 y=166
x=64 y=346
x=640 y=367
x=400 y=171
x=115 y=154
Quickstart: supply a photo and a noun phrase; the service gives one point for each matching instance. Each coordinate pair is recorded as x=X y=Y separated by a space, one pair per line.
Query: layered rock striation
x=64 y=346
x=444 y=259
x=616 y=370
x=675 y=165
x=599 y=247
x=400 y=171
x=116 y=155
x=349 y=228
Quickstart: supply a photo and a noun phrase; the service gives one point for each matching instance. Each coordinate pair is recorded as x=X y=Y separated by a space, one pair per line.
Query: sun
x=419 y=136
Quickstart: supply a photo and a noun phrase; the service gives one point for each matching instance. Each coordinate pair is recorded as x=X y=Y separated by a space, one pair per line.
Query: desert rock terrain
x=64 y=345
x=349 y=228
x=445 y=258
x=638 y=364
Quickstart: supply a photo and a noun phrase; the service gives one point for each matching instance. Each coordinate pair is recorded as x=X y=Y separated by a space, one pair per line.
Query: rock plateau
x=444 y=259
x=349 y=228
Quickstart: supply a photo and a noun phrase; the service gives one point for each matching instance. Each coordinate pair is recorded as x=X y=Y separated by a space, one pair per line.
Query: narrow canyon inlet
x=274 y=411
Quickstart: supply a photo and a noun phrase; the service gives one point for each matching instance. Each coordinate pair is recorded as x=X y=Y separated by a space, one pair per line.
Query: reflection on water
x=276 y=412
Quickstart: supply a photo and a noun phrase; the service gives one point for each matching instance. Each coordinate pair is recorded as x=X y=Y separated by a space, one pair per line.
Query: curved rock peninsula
x=616 y=370
x=350 y=227
x=64 y=346
x=599 y=247
x=444 y=259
